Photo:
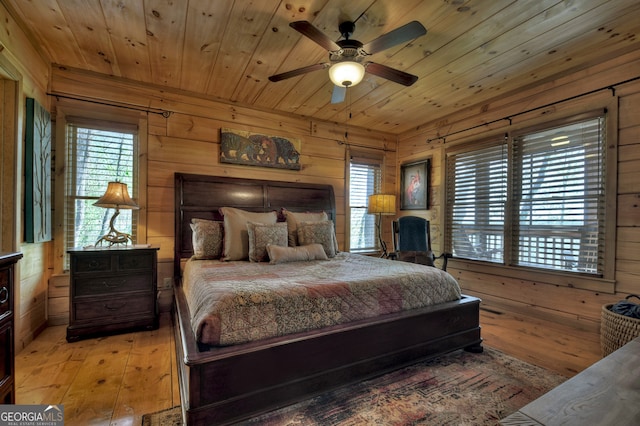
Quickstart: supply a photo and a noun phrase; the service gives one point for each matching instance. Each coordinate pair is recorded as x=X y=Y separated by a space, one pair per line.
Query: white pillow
x=280 y=254
x=236 y=236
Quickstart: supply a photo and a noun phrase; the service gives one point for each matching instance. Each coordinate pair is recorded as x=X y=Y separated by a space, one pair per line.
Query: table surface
x=606 y=393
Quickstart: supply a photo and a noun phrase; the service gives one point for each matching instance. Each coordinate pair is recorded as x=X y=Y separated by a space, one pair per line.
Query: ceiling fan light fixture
x=346 y=73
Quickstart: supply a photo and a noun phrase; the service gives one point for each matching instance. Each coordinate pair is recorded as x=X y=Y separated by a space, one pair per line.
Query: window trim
x=75 y=125
x=91 y=113
x=362 y=157
x=524 y=273
x=604 y=283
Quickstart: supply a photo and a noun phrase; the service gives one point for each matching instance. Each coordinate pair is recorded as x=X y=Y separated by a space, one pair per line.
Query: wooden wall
x=23 y=73
x=187 y=141
x=543 y=299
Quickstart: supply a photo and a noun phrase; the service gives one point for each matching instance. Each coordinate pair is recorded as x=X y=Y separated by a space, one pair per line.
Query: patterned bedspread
x=237 y=302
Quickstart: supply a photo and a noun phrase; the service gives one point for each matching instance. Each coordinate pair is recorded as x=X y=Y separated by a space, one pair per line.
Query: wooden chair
x=412 y=242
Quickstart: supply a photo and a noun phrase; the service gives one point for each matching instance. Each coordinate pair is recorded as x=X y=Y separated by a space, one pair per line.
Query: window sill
x=580 y=281
x=367 y=252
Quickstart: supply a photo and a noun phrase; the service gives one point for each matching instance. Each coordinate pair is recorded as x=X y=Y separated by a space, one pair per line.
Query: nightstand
x=112 y=290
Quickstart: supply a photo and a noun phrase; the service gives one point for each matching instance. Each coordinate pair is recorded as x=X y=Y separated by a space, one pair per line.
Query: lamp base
x=113 y=236
x=383 y=245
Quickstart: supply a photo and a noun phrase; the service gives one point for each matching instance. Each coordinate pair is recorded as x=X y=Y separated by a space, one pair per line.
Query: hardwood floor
x=115 y=380
x=547 y=344
x=110 y=380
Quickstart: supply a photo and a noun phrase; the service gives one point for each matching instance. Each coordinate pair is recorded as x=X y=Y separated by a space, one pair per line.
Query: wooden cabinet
x=112 y=290
x=7 y=364
x=606 y=393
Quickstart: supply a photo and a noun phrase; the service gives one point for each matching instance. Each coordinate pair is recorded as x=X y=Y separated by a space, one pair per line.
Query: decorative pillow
x=293 y=218
x=279 y=254
x=206 y=238
x=261 y=235
x=318 y=232
x=236 y=236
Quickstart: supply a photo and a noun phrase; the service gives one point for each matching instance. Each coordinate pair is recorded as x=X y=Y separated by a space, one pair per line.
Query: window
x=535 y=198
x=97 y=153
x=365 y=178
x=559 y=196
x=477 y=196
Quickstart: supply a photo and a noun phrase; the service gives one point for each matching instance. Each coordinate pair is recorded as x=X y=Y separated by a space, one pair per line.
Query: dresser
x=112 y=290
x=606 y=393
x=7 y=364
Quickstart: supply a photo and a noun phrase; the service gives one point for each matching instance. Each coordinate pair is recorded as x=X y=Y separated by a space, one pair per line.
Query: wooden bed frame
x=222 y=385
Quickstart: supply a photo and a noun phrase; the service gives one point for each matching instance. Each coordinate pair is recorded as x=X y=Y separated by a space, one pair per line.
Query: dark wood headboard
x=200 y=196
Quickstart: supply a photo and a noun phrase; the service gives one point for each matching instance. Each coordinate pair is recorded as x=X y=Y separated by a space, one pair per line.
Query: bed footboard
x=225 y=385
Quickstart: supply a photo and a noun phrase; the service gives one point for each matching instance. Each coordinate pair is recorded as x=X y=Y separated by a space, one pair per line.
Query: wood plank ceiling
x=473 y=51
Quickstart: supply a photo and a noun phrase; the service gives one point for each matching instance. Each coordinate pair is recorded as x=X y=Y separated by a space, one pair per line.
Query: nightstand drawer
x=110 y=284
x=116 y=308
x=6 y=348
x=93 y=263
x=136 y=262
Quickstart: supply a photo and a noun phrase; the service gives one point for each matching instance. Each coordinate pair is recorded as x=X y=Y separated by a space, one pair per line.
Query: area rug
x=460 y=388
x=170 y=417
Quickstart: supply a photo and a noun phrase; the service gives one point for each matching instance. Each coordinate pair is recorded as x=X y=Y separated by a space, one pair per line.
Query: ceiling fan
x=346 y=57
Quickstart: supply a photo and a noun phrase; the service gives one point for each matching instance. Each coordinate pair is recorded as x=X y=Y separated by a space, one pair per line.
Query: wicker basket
x=616 y=330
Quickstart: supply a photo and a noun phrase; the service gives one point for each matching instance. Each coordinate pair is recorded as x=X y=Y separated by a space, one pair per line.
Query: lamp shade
x=116 y=196
x=346 y=73
x=382 y=204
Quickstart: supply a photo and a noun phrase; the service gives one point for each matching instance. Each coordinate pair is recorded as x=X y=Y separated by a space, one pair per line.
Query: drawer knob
x=4 y=295
x=114 y=308
x=110 y=284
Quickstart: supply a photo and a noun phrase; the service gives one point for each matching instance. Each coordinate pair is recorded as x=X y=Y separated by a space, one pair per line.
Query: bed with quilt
x=268 y=311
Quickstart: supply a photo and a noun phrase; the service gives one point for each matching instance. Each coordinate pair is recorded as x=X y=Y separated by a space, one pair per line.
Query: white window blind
x=96 y=155
x=534 y=199
x=364 y=179
x=559 y=197
x=476 y=196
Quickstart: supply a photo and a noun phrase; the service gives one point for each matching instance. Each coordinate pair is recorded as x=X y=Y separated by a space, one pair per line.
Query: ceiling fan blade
x=338 y=94
x=392 y=74
x=299 y=71
x=308 y=30
x=401 y=34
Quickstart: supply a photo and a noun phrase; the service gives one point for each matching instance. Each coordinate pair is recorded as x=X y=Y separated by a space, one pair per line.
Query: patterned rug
x=460 y=388
x=170 y=417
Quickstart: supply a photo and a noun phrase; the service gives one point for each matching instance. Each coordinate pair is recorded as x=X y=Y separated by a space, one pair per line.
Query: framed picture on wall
x=37 y=191
x=257 y=149
x=414 y=185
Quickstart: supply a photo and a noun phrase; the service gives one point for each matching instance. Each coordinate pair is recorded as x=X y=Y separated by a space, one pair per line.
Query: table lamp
x=116 y=197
